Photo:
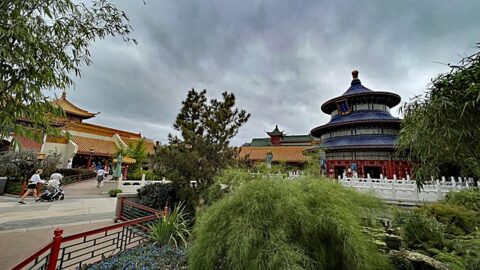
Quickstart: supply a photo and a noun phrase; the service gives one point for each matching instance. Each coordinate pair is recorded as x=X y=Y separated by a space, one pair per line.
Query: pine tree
x=201 y=147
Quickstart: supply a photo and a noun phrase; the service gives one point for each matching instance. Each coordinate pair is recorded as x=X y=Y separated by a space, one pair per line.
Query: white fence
x=131 y=186
x=406 y=191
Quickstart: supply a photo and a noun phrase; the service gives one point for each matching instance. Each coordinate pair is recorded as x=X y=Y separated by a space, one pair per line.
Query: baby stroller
x=52 y=193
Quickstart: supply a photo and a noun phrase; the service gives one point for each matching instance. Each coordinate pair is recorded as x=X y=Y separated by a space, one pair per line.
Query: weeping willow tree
x=43 y=45
x=442 y=126
x=284 y=224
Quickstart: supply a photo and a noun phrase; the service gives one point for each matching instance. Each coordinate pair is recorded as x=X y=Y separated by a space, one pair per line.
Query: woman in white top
x=32 y=186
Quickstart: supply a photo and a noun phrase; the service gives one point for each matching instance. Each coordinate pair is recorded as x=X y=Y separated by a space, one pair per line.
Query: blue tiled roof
x=362 y=116
x=360 y=140
x=356 y=87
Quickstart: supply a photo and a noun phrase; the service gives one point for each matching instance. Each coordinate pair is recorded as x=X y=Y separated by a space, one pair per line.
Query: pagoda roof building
x=71 y=110
x=361 y=132
x=87 y=143
x=282 y=148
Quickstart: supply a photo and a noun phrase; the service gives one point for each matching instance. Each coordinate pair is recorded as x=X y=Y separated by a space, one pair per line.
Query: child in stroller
x=53 y=190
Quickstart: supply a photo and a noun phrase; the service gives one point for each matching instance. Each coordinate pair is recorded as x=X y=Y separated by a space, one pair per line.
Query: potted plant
x=114 y=192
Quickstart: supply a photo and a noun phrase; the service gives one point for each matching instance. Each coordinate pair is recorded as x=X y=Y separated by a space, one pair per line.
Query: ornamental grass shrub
x=171 y=229
x=419 y=230
x=287 y=224
x=458 y=220
x=469 y=199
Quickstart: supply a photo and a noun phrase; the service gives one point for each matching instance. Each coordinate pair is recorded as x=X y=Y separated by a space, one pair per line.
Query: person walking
x=32 y=186
x=100 y=176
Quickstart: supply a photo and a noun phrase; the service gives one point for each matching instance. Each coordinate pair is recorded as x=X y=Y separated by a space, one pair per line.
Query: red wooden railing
x=90 y=246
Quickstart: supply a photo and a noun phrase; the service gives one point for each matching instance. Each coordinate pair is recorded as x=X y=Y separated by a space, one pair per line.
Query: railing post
x=142 y=183
x=439 y=191
x=57 y=242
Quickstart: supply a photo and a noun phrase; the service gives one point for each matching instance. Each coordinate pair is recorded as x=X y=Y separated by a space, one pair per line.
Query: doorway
x=339 y=171
x=373 y=171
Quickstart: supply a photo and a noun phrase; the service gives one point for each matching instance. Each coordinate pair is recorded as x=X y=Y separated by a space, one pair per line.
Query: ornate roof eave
x=275 y=133
x=391 y=99
x=360 y=147
x=69 y=108
x=98 y=154
x=319 y=131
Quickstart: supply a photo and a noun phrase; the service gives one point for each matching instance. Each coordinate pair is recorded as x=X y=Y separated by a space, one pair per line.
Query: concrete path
x=83 y=203
x=25 y=228
x=17 y=246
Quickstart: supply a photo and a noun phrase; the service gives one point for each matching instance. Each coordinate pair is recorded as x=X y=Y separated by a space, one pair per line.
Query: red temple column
x=389 y=169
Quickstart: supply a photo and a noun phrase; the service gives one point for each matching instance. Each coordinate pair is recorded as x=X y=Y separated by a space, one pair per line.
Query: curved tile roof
x=356 y=87
x=280 y=153
x=99 y=146
x=357 y=117
x=363 y=116
x=358 y=91
x=360 y=141
x=70 y=108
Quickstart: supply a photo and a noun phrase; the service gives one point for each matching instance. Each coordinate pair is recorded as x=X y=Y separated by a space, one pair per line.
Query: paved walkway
x=83 y=203
x=26 y=228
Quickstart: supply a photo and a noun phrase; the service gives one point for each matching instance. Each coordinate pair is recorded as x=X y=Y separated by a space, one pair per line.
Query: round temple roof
x=358 y=91
x=361 y=142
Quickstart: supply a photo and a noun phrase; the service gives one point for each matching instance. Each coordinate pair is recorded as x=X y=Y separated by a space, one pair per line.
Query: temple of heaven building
x=362 y=134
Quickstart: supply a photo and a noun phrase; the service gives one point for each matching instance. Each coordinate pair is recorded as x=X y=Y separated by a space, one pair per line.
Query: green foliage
x=144 y=257
x=452 y=259
x=137 y=174
x=469 y=199
x=22 y=164
x=171 y=229
x=441 y=127
x=227 y=181
x=114 y=192
x=457 y=219
x=138 y=151
x=157 y=195
x=13 y=187
x=467 y=246
x=202 y=148
x=420 y=231
x=42 y=45
x=283 y=224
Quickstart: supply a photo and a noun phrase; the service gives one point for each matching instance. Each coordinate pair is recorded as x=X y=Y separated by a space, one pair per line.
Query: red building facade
x=362 y=135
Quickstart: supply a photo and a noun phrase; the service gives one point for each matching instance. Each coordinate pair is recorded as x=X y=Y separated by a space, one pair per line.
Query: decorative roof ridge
x=104 y=128
x=275 y=132
x=79 y=112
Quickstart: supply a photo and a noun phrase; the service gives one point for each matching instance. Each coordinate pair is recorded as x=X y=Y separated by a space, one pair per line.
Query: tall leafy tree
x=442 y=126
x=43 y=44
x=201 y=147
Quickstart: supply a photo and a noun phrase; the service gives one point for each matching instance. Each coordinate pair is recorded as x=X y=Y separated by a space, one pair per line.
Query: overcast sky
x=281 y=59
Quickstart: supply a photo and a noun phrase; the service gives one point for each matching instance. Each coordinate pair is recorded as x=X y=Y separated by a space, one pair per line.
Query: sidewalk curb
x=56 y=226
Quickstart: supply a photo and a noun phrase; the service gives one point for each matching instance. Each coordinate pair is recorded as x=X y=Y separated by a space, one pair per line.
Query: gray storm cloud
x=282 y=59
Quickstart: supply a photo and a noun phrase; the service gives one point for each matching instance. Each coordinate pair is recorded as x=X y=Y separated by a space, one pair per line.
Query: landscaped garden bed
x=149 y=256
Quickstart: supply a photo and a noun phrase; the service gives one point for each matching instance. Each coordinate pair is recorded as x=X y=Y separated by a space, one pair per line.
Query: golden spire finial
x=355 y=74
x=64 y=94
